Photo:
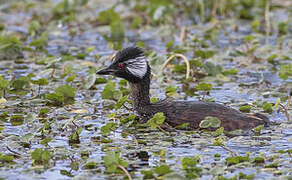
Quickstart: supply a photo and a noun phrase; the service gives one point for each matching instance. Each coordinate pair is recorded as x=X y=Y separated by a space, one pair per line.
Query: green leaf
x=245 y=108
x=285 y=71
x=90 y=165
x=46 y=141
x=182 y=126
x=71 y=78
x=89 y=49
x=283 y=28
x=90 y=81
x=108 y=16
x=218 y=132
x=55 y=98
x=20 y=83
x=148 y=174
x=117 y=30
x=40 y=156
x=258 y=129
x=40 y=82
x=233 y=71
x=44 y=111
x=156 y=120
x=41 y=42
x=16 y=120
x=131 y=117
x=244 y=176
x=204 y=54
x=162 y=170
x=249 y=38
x=6 y=159
x=203 y=87
x=272 y=165
x=34 y=27
x=121 y=102
x=219 y=141
x=267 y=107
x=3 y=83
x=210 y=122
x=189 y=162
x=109 y=90
x=211 y=69
x=108 y=128
x=277 y=103
x=10 y=47
x=66 y=91
x=112 y=160
x=236 y=160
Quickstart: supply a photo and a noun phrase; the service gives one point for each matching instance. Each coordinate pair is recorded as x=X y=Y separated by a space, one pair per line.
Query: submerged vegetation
x=60 y=120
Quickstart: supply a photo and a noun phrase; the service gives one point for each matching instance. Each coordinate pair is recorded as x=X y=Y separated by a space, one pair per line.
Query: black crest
x=128 y=53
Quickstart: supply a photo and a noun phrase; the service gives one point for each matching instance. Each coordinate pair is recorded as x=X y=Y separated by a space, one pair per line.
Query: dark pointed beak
x=105 y=71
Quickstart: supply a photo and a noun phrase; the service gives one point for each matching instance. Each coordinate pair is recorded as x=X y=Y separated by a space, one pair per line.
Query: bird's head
x=129 y=63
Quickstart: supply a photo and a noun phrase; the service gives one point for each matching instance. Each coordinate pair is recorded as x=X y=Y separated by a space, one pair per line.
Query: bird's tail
x=262 y=117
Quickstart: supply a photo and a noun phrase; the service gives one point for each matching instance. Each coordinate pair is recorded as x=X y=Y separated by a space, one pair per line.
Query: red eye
x=121 y=66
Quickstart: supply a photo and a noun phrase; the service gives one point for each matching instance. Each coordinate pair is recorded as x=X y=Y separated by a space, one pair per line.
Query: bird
x=131 y=64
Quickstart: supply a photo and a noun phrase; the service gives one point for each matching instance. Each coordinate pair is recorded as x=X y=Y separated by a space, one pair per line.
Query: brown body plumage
x=176 y=112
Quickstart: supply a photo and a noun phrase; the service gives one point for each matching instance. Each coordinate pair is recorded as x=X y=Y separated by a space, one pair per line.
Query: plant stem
x=14 y=152
x=125 y=171
x=202 y=10
x=229 y=150
x=286 y=112
x=162 y=130
x=133 y=136
x=267 y=19
x=181 y=56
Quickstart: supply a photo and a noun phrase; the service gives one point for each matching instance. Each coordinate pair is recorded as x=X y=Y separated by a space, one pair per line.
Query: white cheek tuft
x=137 y=66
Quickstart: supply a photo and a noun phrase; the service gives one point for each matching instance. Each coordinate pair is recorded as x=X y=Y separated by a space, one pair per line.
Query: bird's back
x=193 y=112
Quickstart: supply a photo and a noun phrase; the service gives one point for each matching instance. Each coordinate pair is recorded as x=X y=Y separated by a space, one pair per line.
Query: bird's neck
x=139 y=92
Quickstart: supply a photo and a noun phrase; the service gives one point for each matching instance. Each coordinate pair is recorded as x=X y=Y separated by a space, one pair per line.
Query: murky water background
x=177 y=146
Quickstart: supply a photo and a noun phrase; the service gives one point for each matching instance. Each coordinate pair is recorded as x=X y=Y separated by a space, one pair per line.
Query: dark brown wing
x=193 y=112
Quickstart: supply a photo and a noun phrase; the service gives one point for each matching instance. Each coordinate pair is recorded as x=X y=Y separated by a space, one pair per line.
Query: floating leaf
x=74 y=138
x=130 y=118
x=108 y=128
x=204 y=54
x=109 y=91
x=267 y=107
x=40 y=157
x=3 y=83
x=41 y=42
x=6 y=159
x=90 y=165
x=71 y=78
x=40 y=82
x=285 y=71
x=211 y=69
x=236 y=160
x=233 y=71
x=218 y=132
x=245 y=108
x=189 y=165
x=277 y=103
x=90 y=81
x=203 y=87
x=148 y=174
x=10 y=47
x=257 y=130
x=162 y=170
x=121 y=102
x=156 y=120
x=16 y=120
x=210 y=122
x=112 y=160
